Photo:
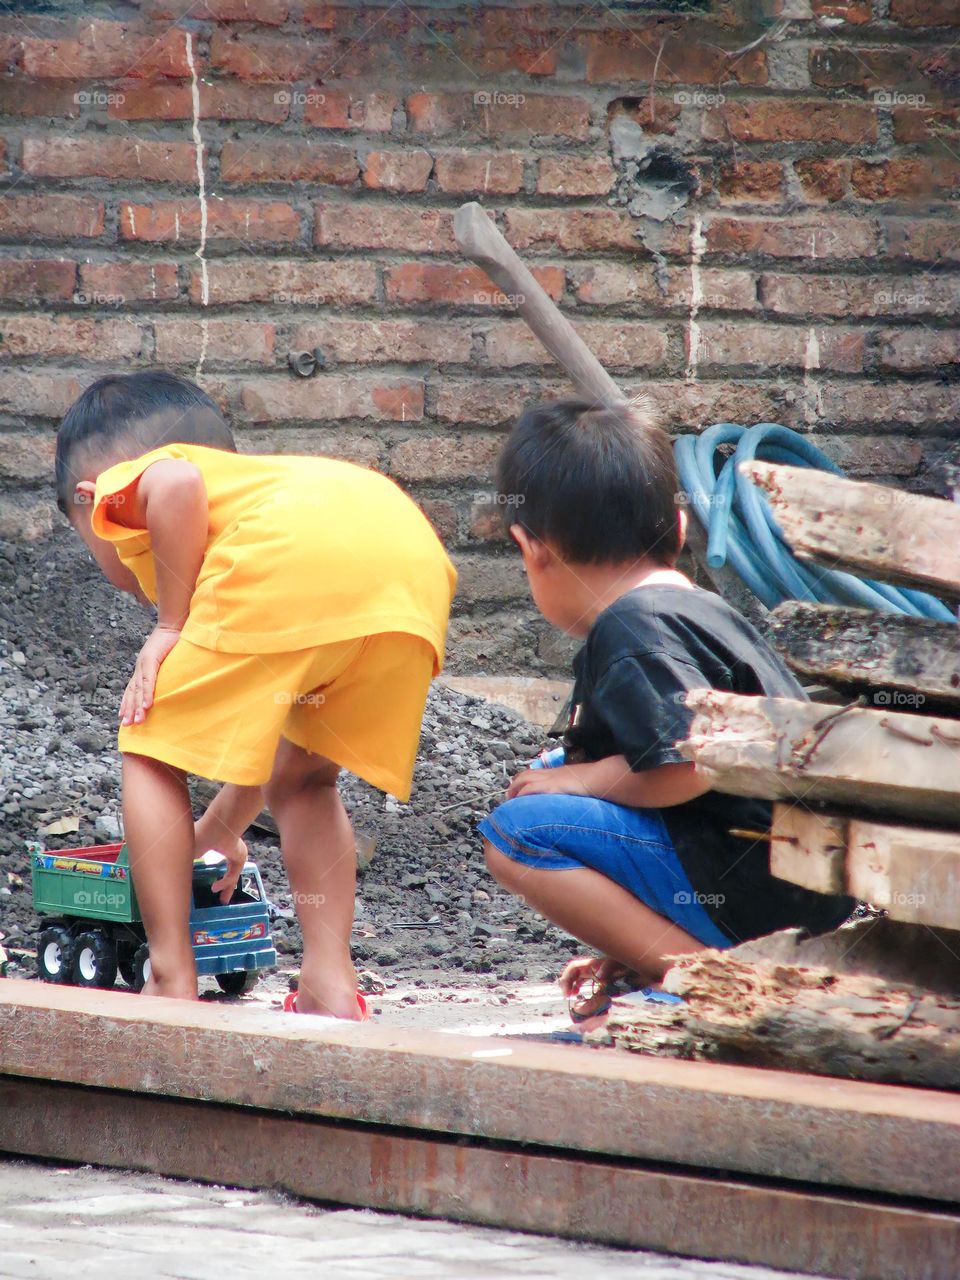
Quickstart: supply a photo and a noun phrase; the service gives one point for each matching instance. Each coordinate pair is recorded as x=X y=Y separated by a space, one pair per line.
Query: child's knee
x=296 y=771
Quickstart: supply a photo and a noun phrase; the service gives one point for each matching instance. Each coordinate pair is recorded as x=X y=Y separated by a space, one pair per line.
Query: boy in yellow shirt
x=302 y=607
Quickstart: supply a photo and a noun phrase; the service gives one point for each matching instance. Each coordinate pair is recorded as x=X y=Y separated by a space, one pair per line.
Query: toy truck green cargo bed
x=69 y=884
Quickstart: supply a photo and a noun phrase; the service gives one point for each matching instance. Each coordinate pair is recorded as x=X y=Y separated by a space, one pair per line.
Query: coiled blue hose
x=743 y=532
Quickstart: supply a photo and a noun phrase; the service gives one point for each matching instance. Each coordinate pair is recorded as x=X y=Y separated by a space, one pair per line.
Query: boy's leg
x=158 y=825
x=319 y=851
x=598 y=911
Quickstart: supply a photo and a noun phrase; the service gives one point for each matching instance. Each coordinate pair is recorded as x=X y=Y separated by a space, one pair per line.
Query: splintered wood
x=867 y=528
x=778 y=748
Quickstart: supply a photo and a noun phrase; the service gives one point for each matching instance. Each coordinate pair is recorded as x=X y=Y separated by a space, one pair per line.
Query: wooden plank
x=723 y=1118
x=912 y=872
x=610 y=1202
x=908 y=662
x=778 y=748
x=869 y=529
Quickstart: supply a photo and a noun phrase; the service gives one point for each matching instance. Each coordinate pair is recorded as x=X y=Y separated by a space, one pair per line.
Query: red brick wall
x=808 y=275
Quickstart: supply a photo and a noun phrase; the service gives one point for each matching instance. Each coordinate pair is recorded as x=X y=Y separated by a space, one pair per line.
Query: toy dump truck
x=91 y=928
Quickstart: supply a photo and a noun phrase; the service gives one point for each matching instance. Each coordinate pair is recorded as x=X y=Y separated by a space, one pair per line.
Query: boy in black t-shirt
x=624 y=844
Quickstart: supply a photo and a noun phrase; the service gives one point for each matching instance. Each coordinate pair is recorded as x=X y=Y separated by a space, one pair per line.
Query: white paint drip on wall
x=202 y=198
x=812 y=391
x=697 y=246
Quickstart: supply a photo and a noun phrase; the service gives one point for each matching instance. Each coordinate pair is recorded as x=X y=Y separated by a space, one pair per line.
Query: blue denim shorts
x=630 y=846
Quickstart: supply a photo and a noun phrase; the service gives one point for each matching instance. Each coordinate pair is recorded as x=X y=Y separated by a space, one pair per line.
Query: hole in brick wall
x=654 y=185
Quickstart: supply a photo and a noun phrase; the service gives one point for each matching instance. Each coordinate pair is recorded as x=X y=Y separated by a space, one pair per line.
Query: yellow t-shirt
x=301 y=551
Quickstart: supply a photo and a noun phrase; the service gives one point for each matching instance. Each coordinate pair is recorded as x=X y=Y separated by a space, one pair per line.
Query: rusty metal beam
x=565 y=1194
x=835 y=1133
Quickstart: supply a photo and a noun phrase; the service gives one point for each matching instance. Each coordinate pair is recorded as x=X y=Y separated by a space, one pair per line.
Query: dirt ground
x=449 y=946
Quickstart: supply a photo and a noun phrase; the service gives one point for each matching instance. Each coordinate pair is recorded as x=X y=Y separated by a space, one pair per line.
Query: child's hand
x=138 y=695
x=236 y=855
x=566 y=780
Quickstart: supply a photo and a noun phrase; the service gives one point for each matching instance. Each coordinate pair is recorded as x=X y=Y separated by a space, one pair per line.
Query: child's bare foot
x=331 y=994
x=176 y=989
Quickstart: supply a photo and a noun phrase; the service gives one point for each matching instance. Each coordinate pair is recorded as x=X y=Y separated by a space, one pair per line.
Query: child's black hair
x=599 y=484
x=125 y=415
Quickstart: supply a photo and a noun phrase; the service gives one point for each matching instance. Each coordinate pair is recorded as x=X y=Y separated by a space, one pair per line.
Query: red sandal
x=290 y=1006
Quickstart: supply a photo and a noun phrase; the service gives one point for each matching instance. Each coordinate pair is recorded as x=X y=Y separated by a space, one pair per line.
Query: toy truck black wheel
x=55 y=952
x=94 y=960
x=238 y=984
x=141 y=968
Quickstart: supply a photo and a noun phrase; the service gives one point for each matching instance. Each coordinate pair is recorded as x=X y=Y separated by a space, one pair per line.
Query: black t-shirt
x=640 y=657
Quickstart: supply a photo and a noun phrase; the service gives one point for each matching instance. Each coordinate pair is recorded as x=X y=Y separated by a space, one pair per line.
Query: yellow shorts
x=357 y=702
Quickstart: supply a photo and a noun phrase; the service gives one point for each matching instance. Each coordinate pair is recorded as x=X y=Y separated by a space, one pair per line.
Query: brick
x=764 y=346
x=916 y=124
x=19 y=97
x=574 y=176
x=180 y=340
x=384 y=226
x=288 y=282
x=122 y=282
x=864 y=456
x=484 y=579
x=717 y=289
x=85 y=337
x=833 y=67
x=224 y=100
x=479 y=172
x=796 y=120
x=24 y=518
x=378 y=341
x=332 y=396
x=347 y=109
x=852 y=12
x=106 y=156
x=26 y=457
x=803 y=237
x=448 y=457
x=897 y=404
x=611 y=283
x=104 y=50
x=486 y=401
x=467 y=286
x=50 y=217
x=573 y=230
x=827 y=180
x=923 y=294
x=907 y=177
x=443 y=516
x=37 y=279
x=246 y=221
x=341 y=442
x=263 y=58
x=484 y=114
x=397 y=170
x=696 y=403
x=620 y=57
x=279 y=160
x=268 y=13
x=925 y=13
x=38 y=395
x=922 y=240
x=662 y=115
x=617 y=344
x=751 y=180
x=919 y=350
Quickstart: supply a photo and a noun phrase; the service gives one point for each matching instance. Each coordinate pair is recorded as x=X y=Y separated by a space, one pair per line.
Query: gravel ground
x=67 y=645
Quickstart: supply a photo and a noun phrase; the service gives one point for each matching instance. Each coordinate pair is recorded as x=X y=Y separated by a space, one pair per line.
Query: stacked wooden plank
x=866 y=798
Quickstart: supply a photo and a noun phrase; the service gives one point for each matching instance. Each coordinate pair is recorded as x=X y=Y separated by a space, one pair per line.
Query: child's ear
x=681 y=527
x=83 y=494
x=534 y=552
